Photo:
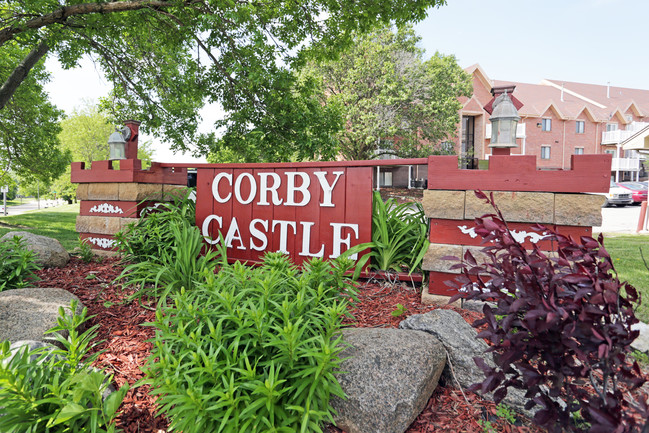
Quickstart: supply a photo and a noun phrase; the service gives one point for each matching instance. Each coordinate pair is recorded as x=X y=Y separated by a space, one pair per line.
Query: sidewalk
x=29 y=206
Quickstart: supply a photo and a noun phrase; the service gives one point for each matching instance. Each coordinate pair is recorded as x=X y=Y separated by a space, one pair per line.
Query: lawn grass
x=625 y=252
x=57 y=222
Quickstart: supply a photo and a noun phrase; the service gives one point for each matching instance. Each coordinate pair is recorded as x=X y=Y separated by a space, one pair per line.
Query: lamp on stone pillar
x=123 y=142
x=117 y=143
x=504 y=120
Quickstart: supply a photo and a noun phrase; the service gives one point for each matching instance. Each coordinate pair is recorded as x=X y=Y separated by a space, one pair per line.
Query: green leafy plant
x=252 y=349
x=556 y=322
x=182 y=264
x=399 y=235
x=399 y=311
x=147 y=239
x=17 y=264
x=85 y=251
x=57 y=390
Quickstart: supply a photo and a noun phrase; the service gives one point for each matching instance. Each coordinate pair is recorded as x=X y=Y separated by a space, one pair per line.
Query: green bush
x=17 y=264
x=57 y=390
x=151 y=235
x=399 y=235
x=252 y=349
x=180 y=264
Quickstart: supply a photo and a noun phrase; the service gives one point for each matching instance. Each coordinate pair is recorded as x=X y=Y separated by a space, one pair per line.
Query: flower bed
x=126 y=348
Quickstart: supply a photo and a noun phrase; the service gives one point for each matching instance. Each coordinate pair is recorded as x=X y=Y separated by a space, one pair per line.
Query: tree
x=167 y=58
x=29 y=125
x=84 y=135
x=392 y=100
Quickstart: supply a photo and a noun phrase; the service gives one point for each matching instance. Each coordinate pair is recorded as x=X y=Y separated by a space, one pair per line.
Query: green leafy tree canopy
x=392 y=100
x=168 y=58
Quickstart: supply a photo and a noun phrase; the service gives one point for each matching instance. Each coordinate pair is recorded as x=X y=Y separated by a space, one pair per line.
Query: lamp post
x=117 y=143
x=504 y=120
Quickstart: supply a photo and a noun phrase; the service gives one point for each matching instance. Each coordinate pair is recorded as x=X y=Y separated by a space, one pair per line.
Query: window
x=579 y=150
x=611 y=127
x=545 y=152
x=385 y=178
x=579 y=125
x=546 y=124
x=610 y=152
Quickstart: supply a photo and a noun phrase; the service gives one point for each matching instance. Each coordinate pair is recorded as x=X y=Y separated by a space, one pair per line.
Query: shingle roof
x=577 y=98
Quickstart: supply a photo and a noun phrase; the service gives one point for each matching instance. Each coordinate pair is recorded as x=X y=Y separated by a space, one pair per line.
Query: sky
x=588 y=41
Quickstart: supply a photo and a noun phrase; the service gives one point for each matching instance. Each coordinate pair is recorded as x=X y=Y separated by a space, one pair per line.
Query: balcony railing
x=625 y=164
x=614 y=137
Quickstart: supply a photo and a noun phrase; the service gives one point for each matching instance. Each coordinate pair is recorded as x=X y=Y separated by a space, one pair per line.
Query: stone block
x=98 y=224
x=516 y=206
x=103 y=191
x=444 y=204
x=428 y=298
x=433 y=259
x=140 y=191
x=124 y=222
x=169 y=192
x=82 y=191
x=578 y=209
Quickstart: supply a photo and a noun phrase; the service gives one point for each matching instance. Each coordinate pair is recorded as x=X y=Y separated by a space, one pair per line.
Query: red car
x=638 y=191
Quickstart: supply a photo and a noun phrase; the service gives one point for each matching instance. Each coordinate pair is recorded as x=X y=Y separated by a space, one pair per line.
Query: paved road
x=619 y=220
x=29 y=205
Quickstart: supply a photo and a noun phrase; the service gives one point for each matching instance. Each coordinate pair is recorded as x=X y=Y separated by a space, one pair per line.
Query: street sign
x=4 y=188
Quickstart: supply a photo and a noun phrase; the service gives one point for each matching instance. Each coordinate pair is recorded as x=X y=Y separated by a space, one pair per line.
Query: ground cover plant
x=17 y=265
x=560 y=329
x=57 y=390
x=252 y=349
x=58 y=223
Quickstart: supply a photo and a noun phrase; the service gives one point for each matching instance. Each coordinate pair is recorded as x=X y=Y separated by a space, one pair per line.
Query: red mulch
x=126 y=350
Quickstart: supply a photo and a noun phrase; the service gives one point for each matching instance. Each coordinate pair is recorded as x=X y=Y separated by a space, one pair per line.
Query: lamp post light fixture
x=117 y=143
x=504 y=120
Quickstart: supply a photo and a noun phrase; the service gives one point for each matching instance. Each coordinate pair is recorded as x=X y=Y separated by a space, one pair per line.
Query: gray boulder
x=26 y=314
x=642 y=342
x=49 y=252
x=389 y=376
x=461 y=342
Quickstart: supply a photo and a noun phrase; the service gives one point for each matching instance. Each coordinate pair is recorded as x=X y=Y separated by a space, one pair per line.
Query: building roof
x=568 y=100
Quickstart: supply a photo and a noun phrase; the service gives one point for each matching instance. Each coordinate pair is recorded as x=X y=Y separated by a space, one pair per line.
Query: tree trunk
x=20 y=73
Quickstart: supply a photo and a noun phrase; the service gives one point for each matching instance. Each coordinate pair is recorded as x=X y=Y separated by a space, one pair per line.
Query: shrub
x=57 y=390
x=17 y=265
x=151 y=235
x=180 y=264
x=252 y=349
x=560 y=329
x=399 y=235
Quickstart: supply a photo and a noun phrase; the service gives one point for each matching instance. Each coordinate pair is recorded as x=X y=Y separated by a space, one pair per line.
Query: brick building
x=559 y=119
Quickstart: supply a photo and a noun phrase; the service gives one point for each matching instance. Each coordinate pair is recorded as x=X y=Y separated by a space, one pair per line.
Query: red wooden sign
x=300 y=209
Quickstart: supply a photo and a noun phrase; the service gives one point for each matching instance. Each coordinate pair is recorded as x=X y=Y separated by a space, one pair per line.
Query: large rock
x=389 y=376
x=26 y=314
x=462 y=344
x=642 y=342
x=49 y=252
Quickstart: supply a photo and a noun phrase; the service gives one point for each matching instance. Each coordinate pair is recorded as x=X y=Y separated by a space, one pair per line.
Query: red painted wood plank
x=588 y=173
x=283 y=227
x=112 y=208
x=243 y=194
x=308 y=220
x=205 y=202
x=129 y=171
x=332 y=206
x=358 y=204
x=436 y=285
x=458 y=232
x=221 y=197
x=99 y=242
